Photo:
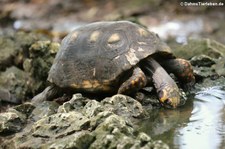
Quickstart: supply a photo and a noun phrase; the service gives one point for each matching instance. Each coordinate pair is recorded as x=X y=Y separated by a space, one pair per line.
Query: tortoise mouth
x=168 y=104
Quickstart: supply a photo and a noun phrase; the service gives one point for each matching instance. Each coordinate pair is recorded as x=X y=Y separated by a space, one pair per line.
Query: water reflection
x=199 y=124
x=206 y=122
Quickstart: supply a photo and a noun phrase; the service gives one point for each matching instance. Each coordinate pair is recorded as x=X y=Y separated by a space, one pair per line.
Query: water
x=179 y=29
x=199 y=124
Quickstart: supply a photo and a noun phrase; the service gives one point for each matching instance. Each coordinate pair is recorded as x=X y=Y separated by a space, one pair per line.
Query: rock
x=202 y=61
x=99 y=118
x=113 y=131
x=44 y=109
x=76 y=103
x=7 y=52
x=202 y=66
x=40 y=59
x=147 y=99
x=143 y=137
x=38 y=62
x=66 y=107
x=80 y=123
x=158 y=145
x=119 y=104
x=15 y=85
x=92 y=108
x=15 y=118
x=25 y=108
x=116 y=132
x=196 y=47
x=16 y=50
x=124 y=106
x=203 y=72
x=78 y=140
x=60 y=124
x=219 y=67
x=11 y=122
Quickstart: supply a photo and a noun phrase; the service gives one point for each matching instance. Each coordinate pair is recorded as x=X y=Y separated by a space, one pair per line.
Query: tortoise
x=116 y=57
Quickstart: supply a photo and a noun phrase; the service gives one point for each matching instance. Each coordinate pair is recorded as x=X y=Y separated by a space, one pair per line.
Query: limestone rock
x=11 y=122
x=60 y=124
x=15 y=85
x=124 y=106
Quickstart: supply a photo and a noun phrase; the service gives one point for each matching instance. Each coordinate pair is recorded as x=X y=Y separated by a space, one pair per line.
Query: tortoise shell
x=97 y=56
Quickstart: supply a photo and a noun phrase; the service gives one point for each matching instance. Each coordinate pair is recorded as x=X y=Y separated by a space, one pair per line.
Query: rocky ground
x=78 y=123
x=81 y=122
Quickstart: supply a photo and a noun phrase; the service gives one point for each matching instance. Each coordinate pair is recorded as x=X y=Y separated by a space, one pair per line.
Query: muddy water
x=199 y=124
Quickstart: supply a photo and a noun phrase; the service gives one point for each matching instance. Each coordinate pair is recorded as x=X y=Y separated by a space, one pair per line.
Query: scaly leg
x=137 y=81
x=182 y=69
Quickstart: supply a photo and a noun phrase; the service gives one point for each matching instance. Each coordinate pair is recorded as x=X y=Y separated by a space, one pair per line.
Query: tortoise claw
x=134 y=83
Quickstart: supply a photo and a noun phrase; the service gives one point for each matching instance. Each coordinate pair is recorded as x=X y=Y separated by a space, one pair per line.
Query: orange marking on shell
x=95 y=84
x=86 y=84
x=143 y=32
x=74 y=35
x=75 y=85
x=114 y=38
x=133 y=82
x=94 y=36
x=90 y=84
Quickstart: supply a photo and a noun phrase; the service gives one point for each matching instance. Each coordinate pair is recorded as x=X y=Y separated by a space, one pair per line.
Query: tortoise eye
x=161 y=94
x=167 y=101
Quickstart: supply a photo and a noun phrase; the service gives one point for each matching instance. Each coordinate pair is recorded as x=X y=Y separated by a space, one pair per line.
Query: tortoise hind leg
x=137 y=81
x=182 y=69
x=49 y=93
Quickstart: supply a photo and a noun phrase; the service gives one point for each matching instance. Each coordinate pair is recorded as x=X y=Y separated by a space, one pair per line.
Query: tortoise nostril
x=167 y=101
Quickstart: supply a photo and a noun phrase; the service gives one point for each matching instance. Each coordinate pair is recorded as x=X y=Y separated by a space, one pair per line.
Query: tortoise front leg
x=134 y=83
x=182 y=69
x=167 y=89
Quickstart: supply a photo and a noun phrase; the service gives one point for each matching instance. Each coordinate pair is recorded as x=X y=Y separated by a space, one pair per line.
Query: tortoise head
x=169 y=96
